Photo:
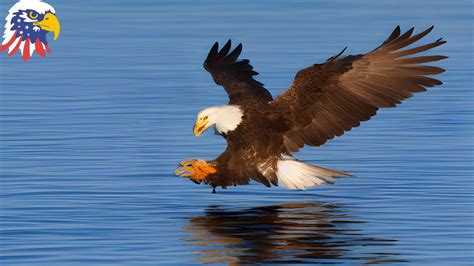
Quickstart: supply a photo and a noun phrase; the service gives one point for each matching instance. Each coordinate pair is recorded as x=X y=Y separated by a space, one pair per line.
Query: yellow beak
x=50 y=23
x=200 y=126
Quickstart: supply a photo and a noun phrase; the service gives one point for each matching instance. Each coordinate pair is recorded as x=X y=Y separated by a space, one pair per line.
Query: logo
x=27 y=24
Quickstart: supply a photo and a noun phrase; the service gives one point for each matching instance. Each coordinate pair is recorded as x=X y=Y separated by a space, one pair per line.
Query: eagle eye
x=33 y=15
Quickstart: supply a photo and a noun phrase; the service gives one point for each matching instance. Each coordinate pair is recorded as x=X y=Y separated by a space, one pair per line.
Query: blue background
x=90 y=137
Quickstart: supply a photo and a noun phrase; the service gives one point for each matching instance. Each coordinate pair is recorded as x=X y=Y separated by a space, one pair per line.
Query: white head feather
x=225 y=117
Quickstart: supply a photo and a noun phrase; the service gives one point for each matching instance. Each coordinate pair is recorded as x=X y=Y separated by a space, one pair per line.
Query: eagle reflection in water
x=292 y=233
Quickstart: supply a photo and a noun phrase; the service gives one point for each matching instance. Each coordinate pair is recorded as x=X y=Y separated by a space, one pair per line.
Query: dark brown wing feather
x=329 y=99
x=235 y=76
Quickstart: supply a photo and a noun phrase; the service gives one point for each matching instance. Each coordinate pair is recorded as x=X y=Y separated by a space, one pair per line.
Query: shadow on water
x=309 y=232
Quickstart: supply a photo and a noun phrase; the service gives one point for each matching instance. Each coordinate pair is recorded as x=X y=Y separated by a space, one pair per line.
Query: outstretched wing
x=235 y=76
x=326 y=100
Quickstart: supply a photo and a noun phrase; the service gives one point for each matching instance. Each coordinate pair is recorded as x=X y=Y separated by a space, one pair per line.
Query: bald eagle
x=324 y=101
x=27 y=24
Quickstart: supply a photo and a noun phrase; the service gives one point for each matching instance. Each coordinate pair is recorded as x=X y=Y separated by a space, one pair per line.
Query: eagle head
x=27 y=24
x=225 y=118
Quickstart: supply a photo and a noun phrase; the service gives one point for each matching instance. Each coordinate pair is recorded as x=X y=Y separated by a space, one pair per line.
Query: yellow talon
x=196 y=170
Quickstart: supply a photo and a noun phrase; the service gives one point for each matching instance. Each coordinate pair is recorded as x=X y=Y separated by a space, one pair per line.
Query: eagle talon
x=196 y=170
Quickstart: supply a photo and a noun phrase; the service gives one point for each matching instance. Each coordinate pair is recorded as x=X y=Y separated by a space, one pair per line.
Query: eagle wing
x=236 y=76
x=326 y=100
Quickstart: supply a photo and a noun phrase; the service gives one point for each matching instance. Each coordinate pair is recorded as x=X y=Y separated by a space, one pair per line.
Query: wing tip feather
x=332 y=58
x=225 y=60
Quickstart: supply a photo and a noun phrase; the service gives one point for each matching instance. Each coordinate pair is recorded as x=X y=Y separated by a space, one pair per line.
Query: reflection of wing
x=235 y=76
x=328 y=99
x=286 y=234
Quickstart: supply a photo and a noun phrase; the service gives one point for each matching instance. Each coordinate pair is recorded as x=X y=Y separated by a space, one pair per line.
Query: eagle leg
x=194 y=169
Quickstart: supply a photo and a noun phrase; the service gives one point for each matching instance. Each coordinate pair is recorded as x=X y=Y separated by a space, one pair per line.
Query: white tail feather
x=294 y=174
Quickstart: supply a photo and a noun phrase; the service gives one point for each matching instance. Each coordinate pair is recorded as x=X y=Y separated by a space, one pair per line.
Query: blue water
x=90 y=136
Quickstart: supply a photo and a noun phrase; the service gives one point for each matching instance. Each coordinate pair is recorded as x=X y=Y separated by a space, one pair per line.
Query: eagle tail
x=295 y=174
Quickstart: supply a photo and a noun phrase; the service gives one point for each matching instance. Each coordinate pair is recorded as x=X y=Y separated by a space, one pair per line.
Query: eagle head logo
x=27 y=24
